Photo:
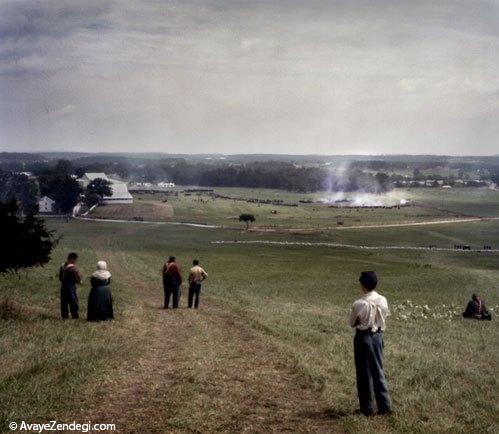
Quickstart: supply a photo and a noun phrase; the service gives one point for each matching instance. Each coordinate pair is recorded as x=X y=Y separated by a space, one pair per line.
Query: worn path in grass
x=305 y=230
x=203 y=371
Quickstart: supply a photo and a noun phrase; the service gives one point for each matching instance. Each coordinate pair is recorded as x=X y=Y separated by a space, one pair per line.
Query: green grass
x=482 y=202
x=304 y=216
x=442 y=372
x=47 y=363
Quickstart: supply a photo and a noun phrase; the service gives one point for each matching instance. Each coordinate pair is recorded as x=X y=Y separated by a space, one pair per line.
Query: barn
x=120 y=188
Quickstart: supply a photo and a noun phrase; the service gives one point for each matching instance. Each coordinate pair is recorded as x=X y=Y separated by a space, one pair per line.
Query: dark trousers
x=368 y=351
x=69 y=302
x=171 y=291
x=194 y=293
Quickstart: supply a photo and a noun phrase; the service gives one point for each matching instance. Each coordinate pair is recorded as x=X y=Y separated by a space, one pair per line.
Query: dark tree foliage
x=383 y=182
x=21 y=188
x=100 y=186
x=26 y=242
x=63 y=167
x=96 y=190
x=92 y=199
x=66 y=192
x=247 y=218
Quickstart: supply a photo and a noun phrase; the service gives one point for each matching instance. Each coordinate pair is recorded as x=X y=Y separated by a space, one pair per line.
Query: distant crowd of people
x=368 y=317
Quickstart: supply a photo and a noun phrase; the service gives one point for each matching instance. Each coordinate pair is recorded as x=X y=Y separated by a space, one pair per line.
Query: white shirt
x=369 y=312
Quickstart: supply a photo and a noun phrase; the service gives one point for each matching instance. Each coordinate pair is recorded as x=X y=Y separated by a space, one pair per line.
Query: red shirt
x=173 y=269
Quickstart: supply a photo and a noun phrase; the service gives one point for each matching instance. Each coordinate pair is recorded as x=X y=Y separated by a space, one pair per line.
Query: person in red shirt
x=172 y=280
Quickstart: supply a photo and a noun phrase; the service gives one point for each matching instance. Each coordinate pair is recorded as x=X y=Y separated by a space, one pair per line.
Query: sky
x=293 y=77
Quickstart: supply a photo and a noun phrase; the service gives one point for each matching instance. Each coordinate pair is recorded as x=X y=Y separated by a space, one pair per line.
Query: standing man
x=69 y=277
x=172 y=279
x=368 y=316
x=196 y=276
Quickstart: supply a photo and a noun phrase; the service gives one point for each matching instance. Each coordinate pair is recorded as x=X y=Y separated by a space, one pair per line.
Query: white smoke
x=337 y=193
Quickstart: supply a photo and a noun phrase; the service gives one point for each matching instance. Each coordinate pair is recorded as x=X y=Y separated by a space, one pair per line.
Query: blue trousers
x=69 y=298
x=194 y=293
x=368 y=351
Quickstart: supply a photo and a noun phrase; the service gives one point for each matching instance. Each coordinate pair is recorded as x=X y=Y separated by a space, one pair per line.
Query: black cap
x=368 y=279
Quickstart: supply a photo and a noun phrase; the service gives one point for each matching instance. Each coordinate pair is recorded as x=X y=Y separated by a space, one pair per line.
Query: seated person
x=476 y=309
x=100 y=300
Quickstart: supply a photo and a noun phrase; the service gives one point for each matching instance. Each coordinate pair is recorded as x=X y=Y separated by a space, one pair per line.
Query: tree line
x=58 y=182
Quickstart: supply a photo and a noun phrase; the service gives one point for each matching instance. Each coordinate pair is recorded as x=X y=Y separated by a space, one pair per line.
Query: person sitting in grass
x=172 y=280
x=69 y=277
x=476 y=309
x=100 y=300
x=196 y=277
x=368 y=316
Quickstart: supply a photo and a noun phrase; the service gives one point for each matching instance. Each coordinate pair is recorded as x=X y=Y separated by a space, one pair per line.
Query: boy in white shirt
x=368 y=316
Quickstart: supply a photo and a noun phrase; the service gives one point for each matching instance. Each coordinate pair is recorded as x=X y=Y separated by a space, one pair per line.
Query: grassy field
x=140 y=209
x=427 y=206
x=270 y=349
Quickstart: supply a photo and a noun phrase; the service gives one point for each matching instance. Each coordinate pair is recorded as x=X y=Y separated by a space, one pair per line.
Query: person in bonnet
x=100 y=300
x=368 y=317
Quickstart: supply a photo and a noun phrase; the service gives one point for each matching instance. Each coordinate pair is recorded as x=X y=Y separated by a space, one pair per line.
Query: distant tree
x=26 y=242
x=65 y=191
x=21 y=188
x=63 y=167
x=25 y=190
x=383 y=182
x=100 y=186
x=417 y=175
x=96 y=190
x=92 y=199
x=80 y=171
x=247 y=218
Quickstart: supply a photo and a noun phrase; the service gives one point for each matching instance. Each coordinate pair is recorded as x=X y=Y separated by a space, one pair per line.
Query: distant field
x=429 y=205
x=482 y=202
x=146 y=210
x=225 y=212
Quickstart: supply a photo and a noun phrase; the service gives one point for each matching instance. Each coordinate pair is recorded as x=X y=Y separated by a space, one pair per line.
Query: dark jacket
x=69 y=275
x=100 y=301
x=476 y=309
x=172 y=275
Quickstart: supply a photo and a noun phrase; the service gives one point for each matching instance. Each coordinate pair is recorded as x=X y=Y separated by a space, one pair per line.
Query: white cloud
x=229 y=76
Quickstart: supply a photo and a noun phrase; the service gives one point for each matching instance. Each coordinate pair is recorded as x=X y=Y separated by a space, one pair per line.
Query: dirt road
x=256 y=229
x=203 y=371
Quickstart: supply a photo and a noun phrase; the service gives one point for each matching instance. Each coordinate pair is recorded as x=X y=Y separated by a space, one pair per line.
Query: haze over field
x=243 y=77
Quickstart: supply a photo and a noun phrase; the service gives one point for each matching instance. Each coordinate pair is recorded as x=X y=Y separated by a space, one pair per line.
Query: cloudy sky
x=250 y=76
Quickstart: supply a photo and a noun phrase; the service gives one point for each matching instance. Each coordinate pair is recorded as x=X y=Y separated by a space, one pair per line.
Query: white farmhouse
x=119 y=188
x=46 y=204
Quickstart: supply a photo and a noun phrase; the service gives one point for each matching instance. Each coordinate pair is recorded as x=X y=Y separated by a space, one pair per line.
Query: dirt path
x=204 y=371
x=304 y=230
